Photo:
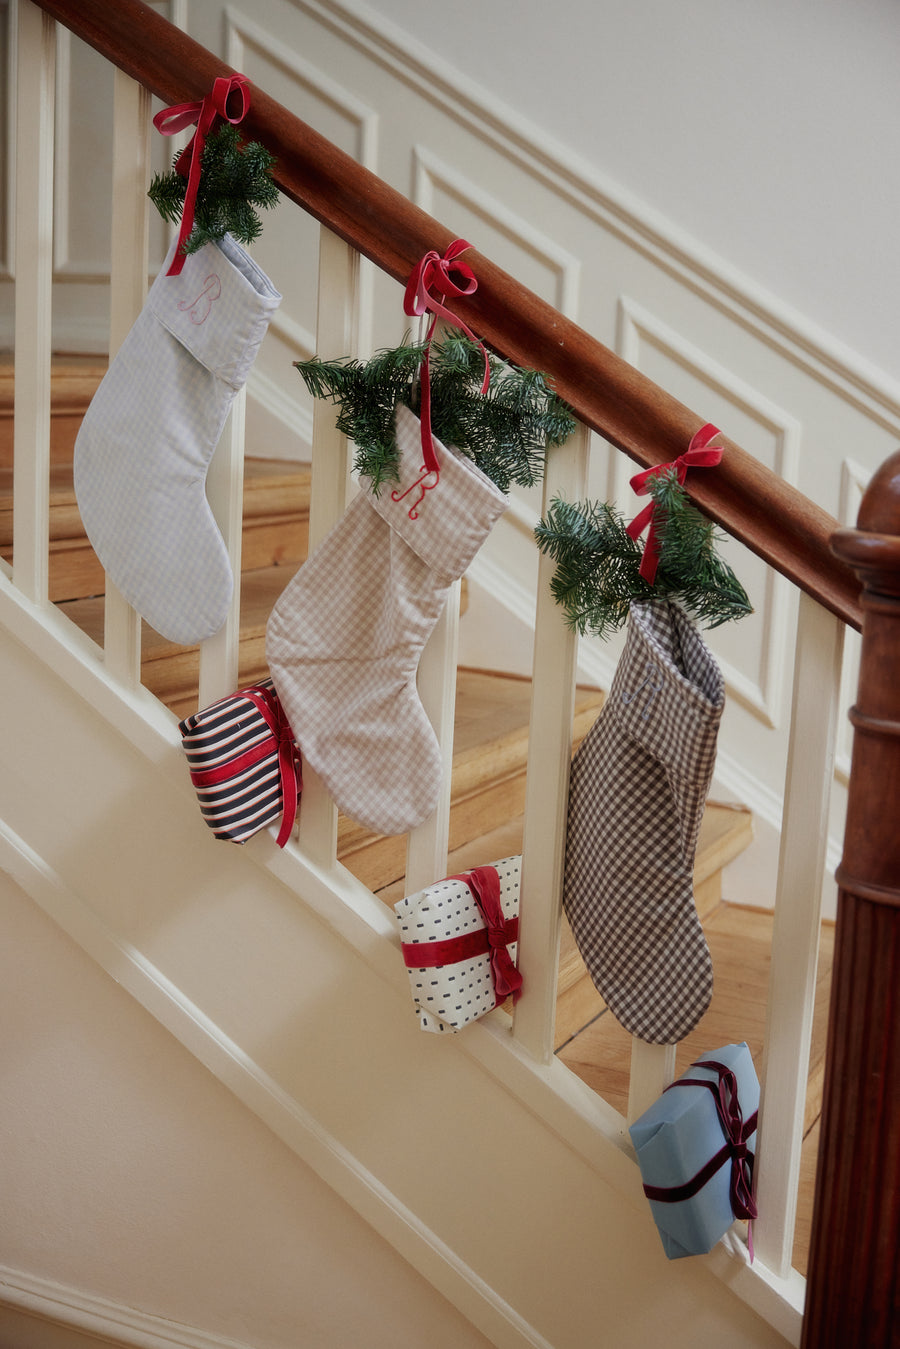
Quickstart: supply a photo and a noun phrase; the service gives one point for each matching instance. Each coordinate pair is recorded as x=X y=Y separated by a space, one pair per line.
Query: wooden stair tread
x=275 y=524
x=488 y=777
x=171 y=671
x=724 y=833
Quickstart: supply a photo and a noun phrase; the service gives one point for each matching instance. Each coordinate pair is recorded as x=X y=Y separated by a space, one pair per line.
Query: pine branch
x=505 y=431
x=234 y=181
x=598 y=563
x=367 y=396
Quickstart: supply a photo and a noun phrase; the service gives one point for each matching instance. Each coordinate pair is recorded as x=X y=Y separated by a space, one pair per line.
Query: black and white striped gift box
x=244 y=763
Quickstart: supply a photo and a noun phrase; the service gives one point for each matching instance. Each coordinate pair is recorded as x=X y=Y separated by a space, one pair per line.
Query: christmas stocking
x=144 y=447
x=636 y=796
x=344 y=640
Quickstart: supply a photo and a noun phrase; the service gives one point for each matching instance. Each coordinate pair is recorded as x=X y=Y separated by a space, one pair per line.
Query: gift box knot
x=458 y=977
x=736 y=1130
x=244 y=763
x=695 y=1149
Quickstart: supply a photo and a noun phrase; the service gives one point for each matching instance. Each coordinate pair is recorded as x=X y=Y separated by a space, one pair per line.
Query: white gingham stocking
x=145 y=444
x=344 y=639
x=637 y=791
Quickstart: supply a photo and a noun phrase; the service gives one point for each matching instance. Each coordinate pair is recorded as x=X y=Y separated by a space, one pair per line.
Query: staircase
x=492 y=709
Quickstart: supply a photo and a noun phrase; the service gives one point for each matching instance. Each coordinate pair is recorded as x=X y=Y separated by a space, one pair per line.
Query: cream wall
x=130 y=1174
x=761 y=129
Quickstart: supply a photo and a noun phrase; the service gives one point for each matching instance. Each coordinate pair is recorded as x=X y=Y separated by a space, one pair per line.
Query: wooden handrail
x=747 y=499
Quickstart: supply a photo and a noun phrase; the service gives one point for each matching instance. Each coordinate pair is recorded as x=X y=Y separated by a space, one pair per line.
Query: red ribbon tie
x=494 y=939
x=430 y=283
x=736 y=1130
x=484 y=883
x=172 y=120
x=699 y=454
x=273 y=715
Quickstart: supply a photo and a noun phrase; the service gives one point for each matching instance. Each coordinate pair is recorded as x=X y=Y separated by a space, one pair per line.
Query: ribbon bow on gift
x=493 y=939
x=267 y=704
x=288 y=756
x=484 y=882
x=172 y=120
x=736 y=1130
x=699 y=454
x=434 y=277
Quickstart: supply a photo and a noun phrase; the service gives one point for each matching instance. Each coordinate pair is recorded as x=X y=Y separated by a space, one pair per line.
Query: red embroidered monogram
x=198 y=310
x=423 y=486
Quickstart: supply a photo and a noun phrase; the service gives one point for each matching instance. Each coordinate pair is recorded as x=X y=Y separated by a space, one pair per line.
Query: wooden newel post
x=853 y=1296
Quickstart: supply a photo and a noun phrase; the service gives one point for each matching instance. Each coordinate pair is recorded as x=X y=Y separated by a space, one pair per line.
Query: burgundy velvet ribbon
x=699 y=454
x=289 y=766
x=736 y=1130
x=172 y=120
x=432 y=280
x=493 y=939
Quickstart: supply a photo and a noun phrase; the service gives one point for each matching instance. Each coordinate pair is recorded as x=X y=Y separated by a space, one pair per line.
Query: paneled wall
x=790 y=393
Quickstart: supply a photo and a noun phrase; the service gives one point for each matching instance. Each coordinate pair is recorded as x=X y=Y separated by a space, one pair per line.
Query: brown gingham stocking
x=344 y=639
x=636 y=796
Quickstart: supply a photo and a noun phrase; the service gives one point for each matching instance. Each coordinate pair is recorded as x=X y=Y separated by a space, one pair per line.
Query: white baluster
x=426 y=853
x=128 y=289
x=546 y=797
x=652 y=1069
x=35 y=97
x=336 y=336
x=225 y=493
x=795 y=938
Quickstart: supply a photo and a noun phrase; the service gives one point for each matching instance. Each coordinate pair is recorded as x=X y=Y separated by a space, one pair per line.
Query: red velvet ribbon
x=289 y=766
x=431 y=281
x=493 y=939
x=736 y=1130
x=172 y=120
x=699 y=454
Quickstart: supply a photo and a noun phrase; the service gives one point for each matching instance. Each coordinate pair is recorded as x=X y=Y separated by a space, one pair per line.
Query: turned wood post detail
x=854 y=1271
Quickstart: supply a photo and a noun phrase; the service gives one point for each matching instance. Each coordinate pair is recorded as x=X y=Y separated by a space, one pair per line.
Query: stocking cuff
x=444 y=524
x=218 y=307
x=668 y=691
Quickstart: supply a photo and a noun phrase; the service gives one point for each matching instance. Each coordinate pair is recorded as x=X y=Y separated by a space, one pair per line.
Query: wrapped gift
x=244 y=764
x=695 y=1147
x=459 y=943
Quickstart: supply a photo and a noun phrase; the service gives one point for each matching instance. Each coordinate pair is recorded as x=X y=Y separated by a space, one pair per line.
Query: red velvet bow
x=273 y=715
x=728 y=1108
x=447 y=277
x=484 y=883
x=172 y=120
x=699 y=454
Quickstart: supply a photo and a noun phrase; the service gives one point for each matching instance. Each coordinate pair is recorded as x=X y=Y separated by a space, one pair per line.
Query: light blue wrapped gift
x=695 y=1146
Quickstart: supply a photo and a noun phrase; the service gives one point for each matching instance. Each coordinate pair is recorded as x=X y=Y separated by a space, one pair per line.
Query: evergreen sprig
x=504 y=431
x=598 y=563
x=235 y=179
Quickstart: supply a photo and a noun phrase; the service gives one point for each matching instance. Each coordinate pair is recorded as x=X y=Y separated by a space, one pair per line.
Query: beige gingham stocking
x=636 y=796
x=344 y=639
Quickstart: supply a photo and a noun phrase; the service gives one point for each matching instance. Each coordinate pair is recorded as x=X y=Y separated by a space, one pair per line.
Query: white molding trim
x=101 y=1318
x=328 y=1157
x=430 y=171
x=241 y=30
x=612 y=206
x=63 y=154
x=296 y=419
x=763 y=697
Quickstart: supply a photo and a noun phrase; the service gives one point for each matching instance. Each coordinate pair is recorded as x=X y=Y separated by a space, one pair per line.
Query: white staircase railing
x=817 y=669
